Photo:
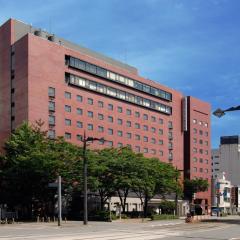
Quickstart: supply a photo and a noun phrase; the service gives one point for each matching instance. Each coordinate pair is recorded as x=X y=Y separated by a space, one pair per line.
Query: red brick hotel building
x=73 y=89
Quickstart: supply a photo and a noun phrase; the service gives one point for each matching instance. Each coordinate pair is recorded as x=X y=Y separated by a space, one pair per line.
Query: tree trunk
x=145 y=207
x=121 y=201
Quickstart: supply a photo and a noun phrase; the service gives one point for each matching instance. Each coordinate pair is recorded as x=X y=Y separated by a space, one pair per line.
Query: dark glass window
x=79 y=111
x=67 y=95
x=79 y=124
x=79 y=98
x=67 y=108
x=51 y=92
x=51 y=106
x=68 y=135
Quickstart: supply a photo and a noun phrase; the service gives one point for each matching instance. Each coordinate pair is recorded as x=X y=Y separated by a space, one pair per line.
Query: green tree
x=124 y=170
x=167 y=207
x=153 y=177
x=101 y=177
x=30 y=162
x=193 y=186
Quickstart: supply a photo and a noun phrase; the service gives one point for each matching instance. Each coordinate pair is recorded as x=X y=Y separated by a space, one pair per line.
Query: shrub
x=163 y=217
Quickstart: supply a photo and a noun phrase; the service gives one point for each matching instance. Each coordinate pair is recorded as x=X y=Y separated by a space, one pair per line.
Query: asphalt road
x=221 y=229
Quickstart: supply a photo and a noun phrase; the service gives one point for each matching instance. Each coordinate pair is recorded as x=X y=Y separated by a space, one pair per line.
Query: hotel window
x=110 y=107
x=206 y=134
x=194 y=140
x=160 y=121
x=51 y=106
x=79 y=137
x=110 y=143
x=119 y=109
x=79 y=124
x=120 y=133
x=100 y=104
x=67 y=95
x=206 y=161
x=206 y=143
x=137 y=148
x=206 y=152
x=68 y=135
x=79 y=98
x=129 y=112
x=145 y=139
x=145 y=150
x=153 y=129
x=153 y=119
x=160 y=131
x=201 y=141
x=200 y=132
x=206 y=124
x=51 y=92
x=160 y=142
x=110 y=131
x=145 y=116
x=145 y=127
x=194 y=159
x=137 y=137
x=153 y=140
x=68 y=122
x=200 y=123
x=200 y=160
x=110 y=119
x=90 y=127
x=129 y=135
x=153 y=151
x=194 y=169
x=79 y=111
x=100 y=142
x=195 y=130
x=100 y=116
x=51 y=120
x=194 y=121
x=119 y=121
x=160 y=153
x=67 y=108
x=119 y=145
x=100 y=128
x=51 y=134
x=90 y=114
x=200 y=170
x=137 y=114
x=129 y=124
x=137 y=125
x=195 y=150
x=90 y=101
x=206 y=170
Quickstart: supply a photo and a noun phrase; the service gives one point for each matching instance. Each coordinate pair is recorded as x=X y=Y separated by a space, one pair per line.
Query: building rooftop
x=21 y=29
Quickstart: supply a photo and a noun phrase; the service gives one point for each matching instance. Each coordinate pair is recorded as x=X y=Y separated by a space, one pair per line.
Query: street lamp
x=219 y=112
x=85 y=140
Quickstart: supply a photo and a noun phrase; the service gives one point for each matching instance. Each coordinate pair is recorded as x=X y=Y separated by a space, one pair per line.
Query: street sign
x=53 y=185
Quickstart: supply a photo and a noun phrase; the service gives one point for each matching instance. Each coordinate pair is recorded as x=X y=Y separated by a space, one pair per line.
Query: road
x=227 y=228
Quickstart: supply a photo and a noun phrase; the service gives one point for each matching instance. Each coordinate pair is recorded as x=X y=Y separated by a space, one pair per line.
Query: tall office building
x=229 y=161
x=73 y=89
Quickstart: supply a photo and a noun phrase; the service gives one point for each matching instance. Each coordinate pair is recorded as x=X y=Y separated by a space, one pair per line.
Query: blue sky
x=189 y=45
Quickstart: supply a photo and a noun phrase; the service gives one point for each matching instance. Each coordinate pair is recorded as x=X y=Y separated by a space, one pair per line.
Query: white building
x=222 y=194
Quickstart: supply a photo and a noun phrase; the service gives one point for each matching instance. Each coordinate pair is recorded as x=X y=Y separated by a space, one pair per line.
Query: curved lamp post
x=219 y=112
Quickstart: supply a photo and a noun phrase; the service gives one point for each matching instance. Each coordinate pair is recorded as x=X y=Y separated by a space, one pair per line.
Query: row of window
x=110 y=144
x=90 y=127
x=201 y=132
x=201 y=170
x=116 y=93
x=90 y=101
x=93 y=69
x=201 y=151
x=201 y=123
x=200 y=141
x=200 y=160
